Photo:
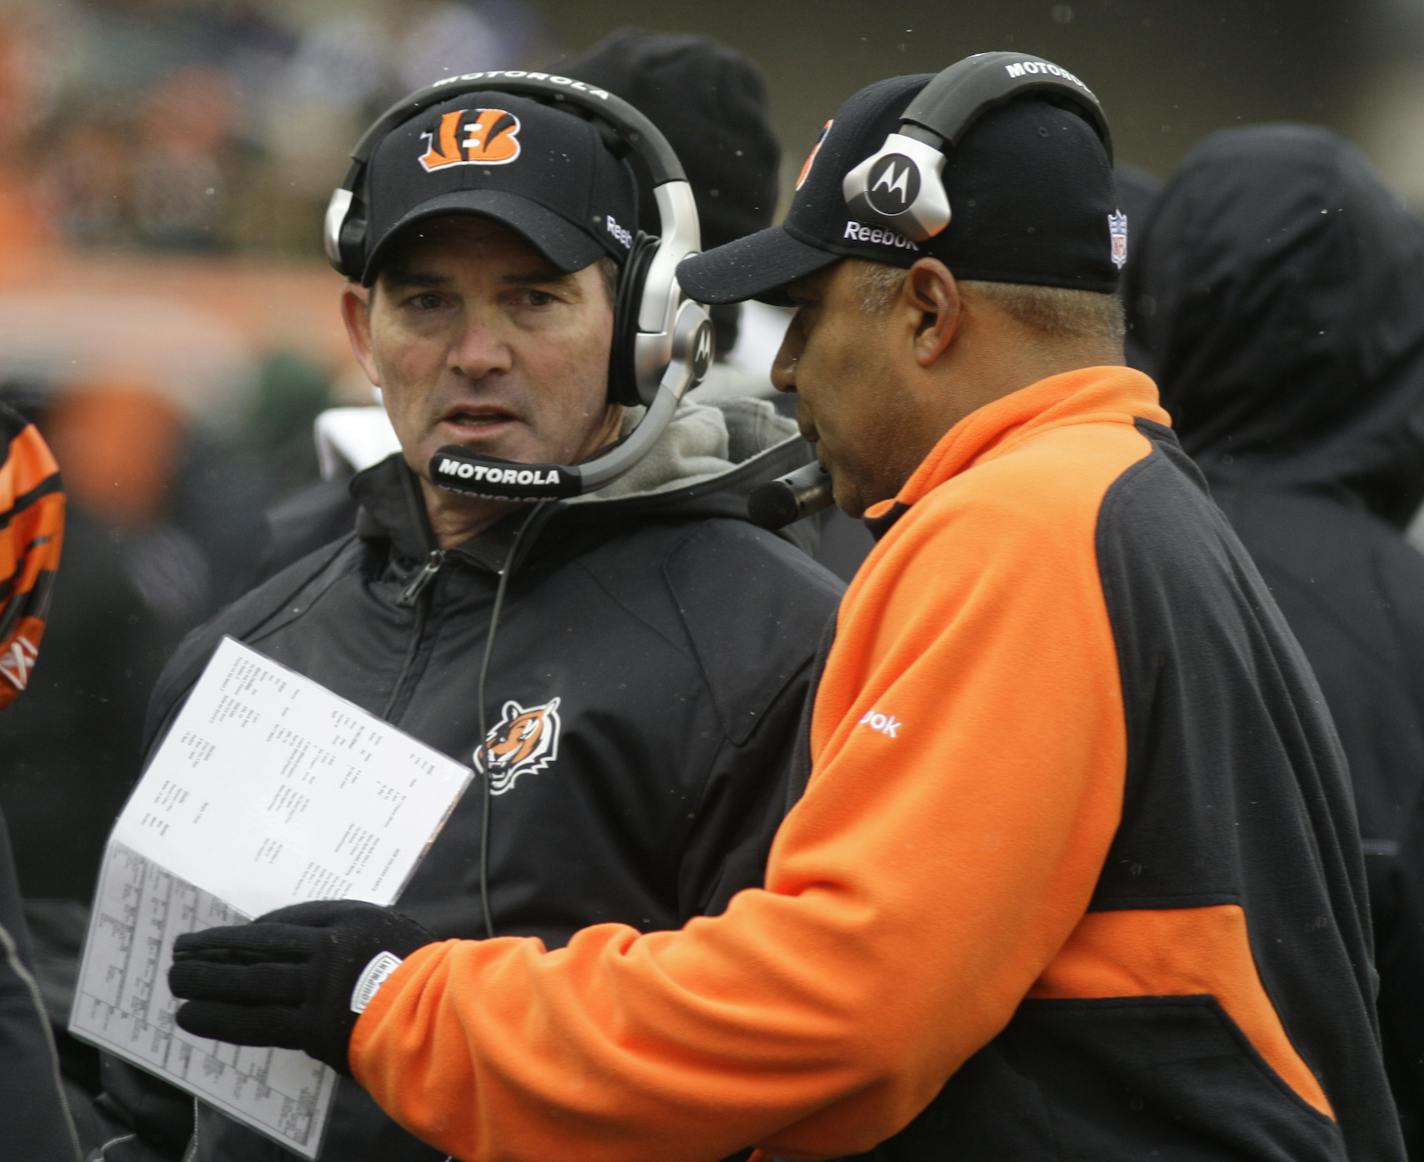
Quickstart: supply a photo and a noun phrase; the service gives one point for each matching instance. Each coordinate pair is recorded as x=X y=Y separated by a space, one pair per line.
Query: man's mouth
x=476 y=418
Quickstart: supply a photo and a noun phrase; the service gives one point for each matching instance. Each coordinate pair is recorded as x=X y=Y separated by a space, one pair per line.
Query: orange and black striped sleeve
x=31 y=538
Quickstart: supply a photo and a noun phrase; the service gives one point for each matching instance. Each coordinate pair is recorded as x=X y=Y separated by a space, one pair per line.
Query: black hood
x=1279 y=290
x=1137 y=193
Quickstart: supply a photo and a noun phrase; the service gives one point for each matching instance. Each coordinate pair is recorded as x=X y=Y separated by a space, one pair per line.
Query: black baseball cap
x=709 y=101
x=1030 y=189
x=545 y=173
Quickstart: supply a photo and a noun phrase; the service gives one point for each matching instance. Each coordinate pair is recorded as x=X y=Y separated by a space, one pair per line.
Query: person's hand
x=296 y=978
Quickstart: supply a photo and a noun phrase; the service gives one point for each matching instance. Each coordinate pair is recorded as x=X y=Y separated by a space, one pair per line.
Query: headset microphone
x=460 y=470
x=792 y=497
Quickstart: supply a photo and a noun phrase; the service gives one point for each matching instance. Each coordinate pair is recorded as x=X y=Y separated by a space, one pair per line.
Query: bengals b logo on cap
x=811 y=157
x=471 y=137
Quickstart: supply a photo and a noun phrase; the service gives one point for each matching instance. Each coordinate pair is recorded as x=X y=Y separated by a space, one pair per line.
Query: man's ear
x=356 y=314
x=931 y=290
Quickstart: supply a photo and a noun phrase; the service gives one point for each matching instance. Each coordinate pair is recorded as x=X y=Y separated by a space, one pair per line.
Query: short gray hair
x=610 y=271
x=1052 y=312
x=878 y=285
x=1055 y=312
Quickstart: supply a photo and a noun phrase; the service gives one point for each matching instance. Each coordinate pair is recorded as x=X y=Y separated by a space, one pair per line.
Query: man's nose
x=480 y=349
x=783 y=368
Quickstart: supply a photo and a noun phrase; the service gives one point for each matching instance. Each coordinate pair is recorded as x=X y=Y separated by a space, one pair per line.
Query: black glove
x=296 y=978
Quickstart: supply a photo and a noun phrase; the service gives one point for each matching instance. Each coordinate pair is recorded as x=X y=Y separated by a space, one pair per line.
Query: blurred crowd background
x=164 y=165
x=167 y=318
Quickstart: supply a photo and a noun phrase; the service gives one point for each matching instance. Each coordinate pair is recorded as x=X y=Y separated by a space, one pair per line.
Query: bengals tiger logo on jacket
x=472 y=137
x=31 y=535
x=524 y=740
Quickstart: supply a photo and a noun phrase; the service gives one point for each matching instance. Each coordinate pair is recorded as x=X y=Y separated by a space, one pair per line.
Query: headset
x=902 y=185
x=662 y=341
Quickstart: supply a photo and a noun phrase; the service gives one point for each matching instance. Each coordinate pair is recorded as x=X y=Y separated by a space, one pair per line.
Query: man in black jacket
x=624 y=669
x=1277 y=290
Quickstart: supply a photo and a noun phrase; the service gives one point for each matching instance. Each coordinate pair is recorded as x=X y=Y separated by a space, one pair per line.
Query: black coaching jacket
x=650 y=661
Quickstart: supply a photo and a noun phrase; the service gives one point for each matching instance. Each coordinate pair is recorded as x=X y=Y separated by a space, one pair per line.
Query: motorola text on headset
x=901 y=185
x=662 y=342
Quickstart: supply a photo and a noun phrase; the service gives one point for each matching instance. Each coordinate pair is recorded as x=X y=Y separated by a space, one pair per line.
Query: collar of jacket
x=705 y=465
x=1087 y=395
x=393 y=510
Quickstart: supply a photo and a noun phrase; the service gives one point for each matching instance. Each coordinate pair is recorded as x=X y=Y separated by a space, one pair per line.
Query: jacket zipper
x=192 y=1151
x=416 y=586
x=412 y=597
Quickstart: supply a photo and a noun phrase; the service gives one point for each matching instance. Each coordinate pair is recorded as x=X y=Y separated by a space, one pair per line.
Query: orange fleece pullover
x=968 y=756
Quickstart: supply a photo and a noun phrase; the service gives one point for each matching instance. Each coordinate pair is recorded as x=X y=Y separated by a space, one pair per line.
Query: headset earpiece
x=902 y=184
x=344 y=227
x=624 y=386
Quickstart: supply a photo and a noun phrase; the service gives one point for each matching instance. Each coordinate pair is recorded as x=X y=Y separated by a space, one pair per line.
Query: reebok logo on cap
x=622 y=233
x=489 y=137
x=877 y=235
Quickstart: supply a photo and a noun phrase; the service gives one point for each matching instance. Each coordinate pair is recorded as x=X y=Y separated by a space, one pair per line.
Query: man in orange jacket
x=1074 y=872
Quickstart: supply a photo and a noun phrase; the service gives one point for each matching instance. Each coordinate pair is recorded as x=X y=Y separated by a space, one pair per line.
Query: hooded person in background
x=35 y=1126
x=1279 y=291
x=1137 y=193
x=1074 y=873
x=710 y=101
